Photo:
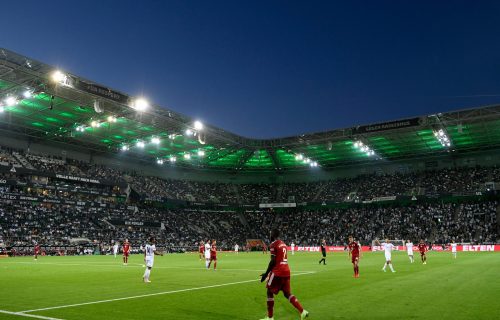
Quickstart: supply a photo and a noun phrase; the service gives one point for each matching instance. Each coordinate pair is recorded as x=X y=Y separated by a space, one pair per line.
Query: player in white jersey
x=115 y=249
x=409 y=249
x=453 y=249
x=292 y=245
x=149 y=257
x=236 y=248
x=388 y=254
x=208 y=246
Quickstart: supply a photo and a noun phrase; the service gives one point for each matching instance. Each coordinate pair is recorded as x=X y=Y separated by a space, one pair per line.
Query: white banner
x=278 y=205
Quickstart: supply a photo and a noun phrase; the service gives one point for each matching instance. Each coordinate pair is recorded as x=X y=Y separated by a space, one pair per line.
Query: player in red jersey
x=36 y=251
x=201 y=249
x=213 y=255
x=422 y=247
x=355 y=255
x=126 y=252
x=277 y=276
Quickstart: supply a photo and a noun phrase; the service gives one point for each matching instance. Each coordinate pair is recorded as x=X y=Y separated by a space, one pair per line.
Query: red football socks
x=296 y=303
x=270 y=307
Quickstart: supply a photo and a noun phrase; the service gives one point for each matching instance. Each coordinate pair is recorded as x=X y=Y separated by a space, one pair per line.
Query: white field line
x=20 y=314
x=151 y=294
x=130 y=265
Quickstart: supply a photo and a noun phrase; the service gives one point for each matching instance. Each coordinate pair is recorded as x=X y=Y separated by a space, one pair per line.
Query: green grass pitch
x=465 y=288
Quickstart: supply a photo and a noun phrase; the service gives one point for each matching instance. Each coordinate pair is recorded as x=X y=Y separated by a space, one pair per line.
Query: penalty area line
x=152 y=294
x=21 y=314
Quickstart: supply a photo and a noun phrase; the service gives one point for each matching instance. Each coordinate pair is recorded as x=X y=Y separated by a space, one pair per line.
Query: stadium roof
x=72 y=110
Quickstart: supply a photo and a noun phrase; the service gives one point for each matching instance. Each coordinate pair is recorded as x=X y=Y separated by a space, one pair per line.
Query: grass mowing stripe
x=152 y=294
x=134 y=265
x=20 y=314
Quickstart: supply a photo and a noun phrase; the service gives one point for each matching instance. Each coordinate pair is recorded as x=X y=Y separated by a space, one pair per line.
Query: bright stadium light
x=80 y=128
x=94 y=124
x=155 y=140
x=189 y=132
x=140 y=144
x=124 y=147
x=10 y=101
x=2 y=109
x=27 y=94
x=111 y=119
x=58 y=76
x=198 y=125
x=172 y=159
x=187 y=156
x=307 y=160
x=172 y=136
x=201 y=153
x=159 y=161
x=140 y=104
x=442 y=137
x=313 y=164
x=299 y=157
x=364 y=148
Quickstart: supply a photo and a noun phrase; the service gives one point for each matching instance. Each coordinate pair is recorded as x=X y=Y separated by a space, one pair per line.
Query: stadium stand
x=102 y=214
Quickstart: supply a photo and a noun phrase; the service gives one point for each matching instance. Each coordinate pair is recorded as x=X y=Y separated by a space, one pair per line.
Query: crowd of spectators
x=360 y=188
x=22 y=222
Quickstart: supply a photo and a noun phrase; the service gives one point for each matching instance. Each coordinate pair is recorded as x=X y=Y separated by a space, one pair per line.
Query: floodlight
x=159 y=161
x=172 y=159
x=299 y=157
x=124 y=147
x=198 y=125
x=27 y=94
x=155 y=140
x=201 y=153
x=189 y=132
x=58 y=76
x=94 y=124
x=111 y=119
x=187 y=156
x=140 y=104
x=140 y=144
x=10 y=101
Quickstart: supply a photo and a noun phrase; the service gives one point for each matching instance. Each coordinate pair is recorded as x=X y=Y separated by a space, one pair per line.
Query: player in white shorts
x=388 y=254
x=409 y=249
x=115 y=249
x=236 y=248
x=454 y=249
x=293 y=248
x=149 y=258
x=208 y=246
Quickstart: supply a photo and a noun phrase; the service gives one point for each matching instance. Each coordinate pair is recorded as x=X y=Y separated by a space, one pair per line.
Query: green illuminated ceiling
x=55 y=117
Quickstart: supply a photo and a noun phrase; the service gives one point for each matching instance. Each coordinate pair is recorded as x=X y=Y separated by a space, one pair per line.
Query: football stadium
x=116 y=206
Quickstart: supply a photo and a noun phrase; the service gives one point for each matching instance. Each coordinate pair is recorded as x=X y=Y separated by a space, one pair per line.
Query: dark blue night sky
x=273 y=68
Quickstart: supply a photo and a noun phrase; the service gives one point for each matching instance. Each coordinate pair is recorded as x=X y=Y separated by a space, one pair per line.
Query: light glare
x=140 y=104
x=155 y=140
x=198 y=125
x=10 y=101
